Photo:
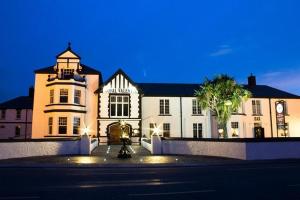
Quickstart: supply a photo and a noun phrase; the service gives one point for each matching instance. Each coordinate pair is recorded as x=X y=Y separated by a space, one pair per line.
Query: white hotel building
x=71 y=99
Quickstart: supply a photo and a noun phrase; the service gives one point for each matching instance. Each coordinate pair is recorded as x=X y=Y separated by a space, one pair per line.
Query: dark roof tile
x=22 y=102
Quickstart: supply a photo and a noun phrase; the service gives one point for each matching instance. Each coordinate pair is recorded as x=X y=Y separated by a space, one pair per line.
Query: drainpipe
x=25 y=124
x=181 y=131
x=271 y=117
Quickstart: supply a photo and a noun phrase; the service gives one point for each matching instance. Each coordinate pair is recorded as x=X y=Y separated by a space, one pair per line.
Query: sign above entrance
x=120 y=90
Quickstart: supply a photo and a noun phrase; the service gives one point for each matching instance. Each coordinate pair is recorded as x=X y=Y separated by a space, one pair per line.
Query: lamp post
x=124 y=152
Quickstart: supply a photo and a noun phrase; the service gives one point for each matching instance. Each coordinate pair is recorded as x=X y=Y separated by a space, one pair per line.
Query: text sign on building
x=280 y=117
x=119 y=90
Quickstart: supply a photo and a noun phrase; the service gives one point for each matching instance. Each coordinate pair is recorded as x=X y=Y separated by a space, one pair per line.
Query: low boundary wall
x=43 y=147
x=245 y=148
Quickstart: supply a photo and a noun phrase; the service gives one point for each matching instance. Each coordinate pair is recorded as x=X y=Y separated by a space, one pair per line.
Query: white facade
x=142 y=108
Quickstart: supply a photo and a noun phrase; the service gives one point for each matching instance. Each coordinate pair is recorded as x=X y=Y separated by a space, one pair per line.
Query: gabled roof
x=188 y=90
x=22 y=102
x=68 y=49
x=119 y=71
x=50 y=70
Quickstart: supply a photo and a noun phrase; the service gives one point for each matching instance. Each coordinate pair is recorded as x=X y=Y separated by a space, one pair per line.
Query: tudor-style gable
x=119 y=82
x=119 y=99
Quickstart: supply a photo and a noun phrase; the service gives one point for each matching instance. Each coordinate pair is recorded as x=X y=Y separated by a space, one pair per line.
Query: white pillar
x=85 y=145
x=156 y=145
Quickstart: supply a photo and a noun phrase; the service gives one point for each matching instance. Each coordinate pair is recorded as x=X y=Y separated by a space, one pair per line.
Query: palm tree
x=222 y=96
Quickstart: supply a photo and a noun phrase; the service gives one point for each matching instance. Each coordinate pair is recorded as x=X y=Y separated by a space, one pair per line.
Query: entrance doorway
x=115 y=132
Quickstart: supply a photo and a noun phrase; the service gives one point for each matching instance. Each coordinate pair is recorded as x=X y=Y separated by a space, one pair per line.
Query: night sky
x=153 y=40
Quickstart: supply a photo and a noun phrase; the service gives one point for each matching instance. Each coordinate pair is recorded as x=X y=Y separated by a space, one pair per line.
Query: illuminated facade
x=71 y=99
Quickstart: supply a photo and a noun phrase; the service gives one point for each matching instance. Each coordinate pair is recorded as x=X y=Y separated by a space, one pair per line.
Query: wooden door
x=115 y=133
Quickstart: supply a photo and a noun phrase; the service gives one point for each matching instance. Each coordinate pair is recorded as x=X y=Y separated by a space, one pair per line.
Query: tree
x=222 y=96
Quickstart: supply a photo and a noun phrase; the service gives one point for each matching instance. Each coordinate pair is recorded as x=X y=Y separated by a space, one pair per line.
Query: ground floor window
x=166 y=129
x=235 y=129
x=197 y=130
x=18 y=131
x=50 y=125
x=62 y=125
x=76 y=125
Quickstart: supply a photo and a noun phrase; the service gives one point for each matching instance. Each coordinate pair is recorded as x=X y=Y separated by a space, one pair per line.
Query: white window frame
x=196 y=108
x=77 y=97
x=62 y=122
x=119 y=103
x=164 y=107
x=197 y=130
x=63 y=93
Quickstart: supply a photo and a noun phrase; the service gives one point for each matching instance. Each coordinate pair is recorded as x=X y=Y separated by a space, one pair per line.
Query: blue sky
x=153 y=40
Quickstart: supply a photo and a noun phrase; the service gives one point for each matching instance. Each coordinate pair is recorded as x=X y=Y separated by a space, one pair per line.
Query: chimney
x=251 y=80
x=31 y=92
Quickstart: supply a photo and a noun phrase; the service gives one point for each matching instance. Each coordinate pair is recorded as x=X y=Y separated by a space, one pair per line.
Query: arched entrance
x=115 y=132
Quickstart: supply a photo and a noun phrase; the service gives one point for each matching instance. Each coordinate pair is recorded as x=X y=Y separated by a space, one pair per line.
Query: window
x=62 y=125
x=18 y=131
x=63 y=96
x=76 y=125
x=51 y=96
x=50 y=125
x=256 y=109
x=196 y=107
x=67 y=73
x=119 y=106
x=164 y=107
x=18 y=114
x=197 y=130
x=235 y=129
x=166 y=130
x=152 y=126
x=77 y=95
x=3 y=114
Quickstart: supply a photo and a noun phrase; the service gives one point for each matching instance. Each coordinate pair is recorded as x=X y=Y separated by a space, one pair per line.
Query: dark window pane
x=113 y=110
x=125 y=110
x=119 y=109
x=18 y=131
x=62 y=130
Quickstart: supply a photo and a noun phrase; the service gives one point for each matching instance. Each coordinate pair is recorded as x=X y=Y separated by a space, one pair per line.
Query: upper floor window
x=77 y=96
x=196 y=107
x=3 y=113
x=52 y=96
x=62 y=125
x=256 y=107
x=119 y=106
x=67 y=73
x=76 y=125
x=164 y=107
x=18 y=113
x=166 y=129
x=235 y=129
x=50 y=125
x=197 y=130
x=63 y=96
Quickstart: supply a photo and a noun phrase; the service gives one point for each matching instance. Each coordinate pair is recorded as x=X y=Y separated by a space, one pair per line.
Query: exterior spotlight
x=220 y=130
x=86 y=130
x=156 y=131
